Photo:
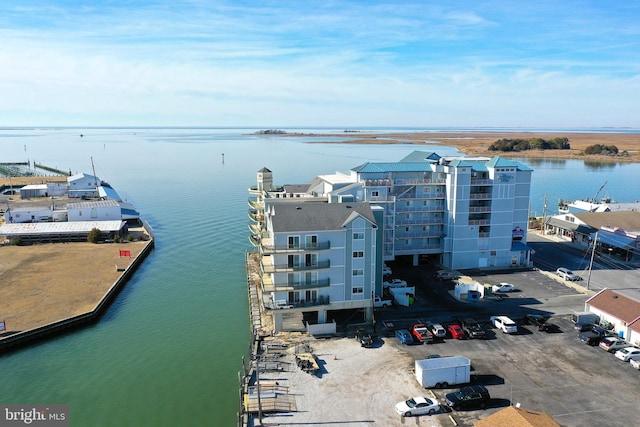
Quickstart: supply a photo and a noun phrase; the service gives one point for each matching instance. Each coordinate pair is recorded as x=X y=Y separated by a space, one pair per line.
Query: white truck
x=382 y=303
x=443 y=371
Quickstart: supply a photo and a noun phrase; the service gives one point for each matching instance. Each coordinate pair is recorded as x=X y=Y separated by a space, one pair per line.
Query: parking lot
x=554 y=372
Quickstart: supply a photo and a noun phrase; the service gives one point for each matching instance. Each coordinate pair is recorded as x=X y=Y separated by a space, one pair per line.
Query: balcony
x=479 y=221
x=439 y=207
x=255 y=204
x=255 y=215
x=476 y=181
x=418 y=181
x=419 y=221
x=269 y=304
x=284 y=268
x=319 y=246
x=480 y=209
x=269 y=286
x=480 y=196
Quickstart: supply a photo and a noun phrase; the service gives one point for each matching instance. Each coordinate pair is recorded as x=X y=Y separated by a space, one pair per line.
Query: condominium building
x=461 y=212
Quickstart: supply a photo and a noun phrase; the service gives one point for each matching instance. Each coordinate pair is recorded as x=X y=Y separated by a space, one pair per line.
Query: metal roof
x=93 y=204
x=316 y=216
x=44 y=228
x=393 y=167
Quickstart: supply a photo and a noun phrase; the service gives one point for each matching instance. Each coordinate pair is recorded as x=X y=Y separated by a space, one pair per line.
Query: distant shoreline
x=475 y=143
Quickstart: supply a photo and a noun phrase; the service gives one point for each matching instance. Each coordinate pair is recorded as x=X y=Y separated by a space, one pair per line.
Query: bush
x=505 y=145
x=605 y=150
x=94 y=236
x=116 y=239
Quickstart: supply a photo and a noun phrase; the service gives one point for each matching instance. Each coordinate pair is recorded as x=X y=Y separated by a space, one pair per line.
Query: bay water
x=169 y=349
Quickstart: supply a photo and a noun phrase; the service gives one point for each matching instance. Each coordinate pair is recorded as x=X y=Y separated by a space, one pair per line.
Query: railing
x=420 y=208
x=420 y=221
x=479 y=222
x=270 y=305
x=418 y=234
x=255 y=204
x=269 y=268
x=302 y=284
x=480 y=209
x=319 y=246
x=481 y=181
x=418 y=181
x=480 y=196
x=256 y=216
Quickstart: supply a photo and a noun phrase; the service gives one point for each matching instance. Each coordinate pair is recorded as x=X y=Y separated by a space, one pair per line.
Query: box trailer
x=403 y=296
x=584 y=317
x=443 y=371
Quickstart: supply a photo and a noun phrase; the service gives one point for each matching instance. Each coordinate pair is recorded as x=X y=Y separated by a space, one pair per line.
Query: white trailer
x=443 y=371
x=403 y=296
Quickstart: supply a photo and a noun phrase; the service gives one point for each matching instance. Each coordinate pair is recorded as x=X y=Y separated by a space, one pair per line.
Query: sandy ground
x=40 y=284
x=344 y=380
x=476 y=143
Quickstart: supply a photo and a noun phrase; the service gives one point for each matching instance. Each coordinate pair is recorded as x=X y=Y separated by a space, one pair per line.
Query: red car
x=455 y=331
x=421 y=333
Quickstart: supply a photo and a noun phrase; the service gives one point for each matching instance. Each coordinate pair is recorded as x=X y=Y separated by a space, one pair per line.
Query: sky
x=356 y=64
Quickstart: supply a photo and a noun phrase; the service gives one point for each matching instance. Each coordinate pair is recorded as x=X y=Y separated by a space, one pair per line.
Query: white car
x=505 y=324
x=503 y=287
x=386 y=270
x=394 y=283
x=437 y=330
x=628 y=353
x=567 y=274
x=418 y=406
x=635 y=363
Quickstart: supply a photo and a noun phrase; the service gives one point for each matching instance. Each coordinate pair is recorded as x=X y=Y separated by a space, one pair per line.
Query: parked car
x=613 y=344
x=404 y=336
x=567 y=274
x=505 y=324
x=417 y=406
x=437 y=330
x=538 y=321
x=386 y=270
x=628 y=353
x=593 y=336
x=455 y=331
x=468 y=397
x=445 y=275
x=421 y=333
x=503 y=287
x=365 y=339
x=472 y=328
x=635 y=363
x=394 y=283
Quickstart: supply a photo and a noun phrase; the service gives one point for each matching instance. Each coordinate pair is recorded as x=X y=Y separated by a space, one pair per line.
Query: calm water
x=168 y=351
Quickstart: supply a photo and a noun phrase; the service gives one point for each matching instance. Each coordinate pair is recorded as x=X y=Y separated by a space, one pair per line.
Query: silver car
x=567 y=274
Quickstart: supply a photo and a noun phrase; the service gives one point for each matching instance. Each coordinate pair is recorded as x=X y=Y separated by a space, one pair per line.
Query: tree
x=94 y=236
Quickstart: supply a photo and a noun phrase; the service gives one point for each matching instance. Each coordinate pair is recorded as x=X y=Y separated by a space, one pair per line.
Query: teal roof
x=393 y=167
x=421 y=156
x=501 y=162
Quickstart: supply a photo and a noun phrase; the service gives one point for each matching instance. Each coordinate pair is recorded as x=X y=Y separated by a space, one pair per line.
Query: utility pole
x=593 y=253
x=544 y=214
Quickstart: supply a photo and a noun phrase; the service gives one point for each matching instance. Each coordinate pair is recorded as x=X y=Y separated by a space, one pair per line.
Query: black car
x=366 y=339
x=593 y=336
x=538 y=321
x=476 y=396
x=472 y=328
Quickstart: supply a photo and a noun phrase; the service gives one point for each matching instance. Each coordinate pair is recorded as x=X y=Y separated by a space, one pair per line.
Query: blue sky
x=320 y=63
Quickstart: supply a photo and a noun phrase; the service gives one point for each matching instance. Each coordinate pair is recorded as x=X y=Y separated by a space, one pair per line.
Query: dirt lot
x=476 y=143
x=40 y=284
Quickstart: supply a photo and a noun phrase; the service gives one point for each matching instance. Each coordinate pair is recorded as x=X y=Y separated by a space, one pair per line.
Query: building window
x=358 y=254
x=358 y=235
x=493 y=253
x=358 y=272
x=374 y=194
x=357 y=290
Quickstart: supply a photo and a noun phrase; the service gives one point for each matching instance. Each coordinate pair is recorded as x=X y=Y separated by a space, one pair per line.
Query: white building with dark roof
x=317 y=257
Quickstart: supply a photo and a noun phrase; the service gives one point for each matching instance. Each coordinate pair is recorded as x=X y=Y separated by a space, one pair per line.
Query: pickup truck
x=593 y=336
x=382 y=303
x=472 y=329
x=421 y=333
